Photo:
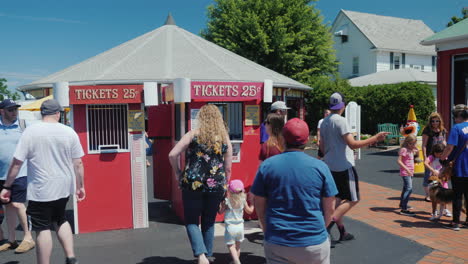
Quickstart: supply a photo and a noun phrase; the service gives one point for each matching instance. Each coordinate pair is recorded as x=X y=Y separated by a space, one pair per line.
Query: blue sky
x=39 y=38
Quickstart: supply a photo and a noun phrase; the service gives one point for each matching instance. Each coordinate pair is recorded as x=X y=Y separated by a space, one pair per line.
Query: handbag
x=446 y=173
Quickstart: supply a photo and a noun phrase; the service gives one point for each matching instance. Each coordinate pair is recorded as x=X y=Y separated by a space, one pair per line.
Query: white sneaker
x=447 y=213
x=434 y=217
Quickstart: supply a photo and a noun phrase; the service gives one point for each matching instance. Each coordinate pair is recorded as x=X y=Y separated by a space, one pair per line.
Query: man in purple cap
x=337 y=144
x=11 y=130
x=53 y=152
x=295 y=200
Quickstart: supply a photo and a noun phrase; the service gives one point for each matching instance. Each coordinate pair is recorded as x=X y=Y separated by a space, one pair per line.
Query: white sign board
x=353 y=118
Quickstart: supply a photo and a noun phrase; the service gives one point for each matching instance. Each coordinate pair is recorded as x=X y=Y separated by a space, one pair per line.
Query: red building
x=452 y=67
x=156 y=83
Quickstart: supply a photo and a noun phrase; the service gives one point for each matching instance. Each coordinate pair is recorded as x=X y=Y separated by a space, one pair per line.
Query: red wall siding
x=108 y=203
x=444 y=82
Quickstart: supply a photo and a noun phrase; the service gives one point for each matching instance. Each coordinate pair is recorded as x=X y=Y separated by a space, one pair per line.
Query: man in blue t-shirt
x=457 y=146
x=295 y=200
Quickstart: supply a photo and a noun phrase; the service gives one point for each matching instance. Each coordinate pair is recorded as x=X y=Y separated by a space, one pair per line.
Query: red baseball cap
x=296 y=132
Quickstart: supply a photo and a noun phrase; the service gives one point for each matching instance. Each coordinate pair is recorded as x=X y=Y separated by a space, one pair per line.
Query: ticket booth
x=241 y=105
x=109 y=120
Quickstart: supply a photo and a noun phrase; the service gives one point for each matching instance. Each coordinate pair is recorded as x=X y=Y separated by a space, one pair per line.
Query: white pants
x=316 y=254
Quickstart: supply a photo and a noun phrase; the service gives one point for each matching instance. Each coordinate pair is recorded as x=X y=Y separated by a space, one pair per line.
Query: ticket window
x=232 y=115
x=107 y=128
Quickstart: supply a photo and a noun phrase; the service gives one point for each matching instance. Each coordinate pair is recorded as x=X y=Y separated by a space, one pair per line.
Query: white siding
x=419 y=61
x=357 y=46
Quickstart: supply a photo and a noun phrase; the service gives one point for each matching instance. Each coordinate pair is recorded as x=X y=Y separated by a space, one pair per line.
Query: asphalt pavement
x=165 y=241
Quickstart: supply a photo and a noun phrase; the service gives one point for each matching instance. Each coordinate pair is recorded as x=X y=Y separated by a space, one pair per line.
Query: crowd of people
x=298 y=198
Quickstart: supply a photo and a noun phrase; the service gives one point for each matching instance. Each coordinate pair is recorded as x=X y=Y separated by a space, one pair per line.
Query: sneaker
x=407 y=207
x=434 y=217
x=346 y=237
x=25 y=246
x=446 y=212
x=407 y=213
x=455 y=227
x=8 y=245
x=71 y=261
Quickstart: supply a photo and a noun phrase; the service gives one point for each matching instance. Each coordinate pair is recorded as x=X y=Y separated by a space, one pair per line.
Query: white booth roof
x=162 y=55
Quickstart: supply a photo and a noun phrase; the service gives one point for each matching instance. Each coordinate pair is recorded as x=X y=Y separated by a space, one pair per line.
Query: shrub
x=386 y=103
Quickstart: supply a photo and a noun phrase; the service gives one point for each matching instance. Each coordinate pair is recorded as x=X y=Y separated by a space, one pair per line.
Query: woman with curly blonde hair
x=208 y=160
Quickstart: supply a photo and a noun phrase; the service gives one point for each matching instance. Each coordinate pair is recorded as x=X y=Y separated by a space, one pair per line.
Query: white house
x=367 y=43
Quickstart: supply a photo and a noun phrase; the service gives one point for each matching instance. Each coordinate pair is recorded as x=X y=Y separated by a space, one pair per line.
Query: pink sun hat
x=236 y=186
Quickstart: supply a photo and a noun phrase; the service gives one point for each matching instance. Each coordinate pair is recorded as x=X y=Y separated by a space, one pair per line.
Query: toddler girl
x=406 y=161
x=234 y=206
x=432 y=164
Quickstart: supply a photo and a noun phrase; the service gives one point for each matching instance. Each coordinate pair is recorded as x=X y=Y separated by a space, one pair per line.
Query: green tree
x=287 y=36
x=456 y=19
x=4 y=92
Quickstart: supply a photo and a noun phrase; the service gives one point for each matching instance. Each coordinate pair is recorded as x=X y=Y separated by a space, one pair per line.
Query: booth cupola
x=170 y=20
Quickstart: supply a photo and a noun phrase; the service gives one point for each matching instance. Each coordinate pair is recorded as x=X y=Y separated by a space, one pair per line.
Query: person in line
x=208 y=162
x=433 y=165
x=337 y=144
x=234 y=207
x=433 y=133
x=53 y=153
x=326 y=113
x=295 y=199
x=278 y=107
x=457 y=145
x=406 y=163
x=10 y=133
x=275 y=144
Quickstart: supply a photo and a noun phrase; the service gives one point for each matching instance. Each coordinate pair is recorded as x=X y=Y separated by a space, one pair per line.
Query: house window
x=232 y=115
x=344 y=38
x=396 y=61
x=434 y=63
x=403 y=60
x=391 y=60
x=355 y=65
x=422 y=67
x=107 y=128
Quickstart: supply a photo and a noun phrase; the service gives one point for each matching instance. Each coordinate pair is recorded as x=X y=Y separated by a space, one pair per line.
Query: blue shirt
x=9 y=137
x=294 y=184
x=458 y=136
x=263 y=134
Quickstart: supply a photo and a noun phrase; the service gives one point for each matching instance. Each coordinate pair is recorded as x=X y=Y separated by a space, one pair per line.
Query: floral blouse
x=204 y=169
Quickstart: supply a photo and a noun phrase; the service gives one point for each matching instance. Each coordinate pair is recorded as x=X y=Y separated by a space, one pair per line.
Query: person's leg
x=457 y=201
x=23 y=220
x=233 y=251
x=210 y=208
x=425 y=184
x=10 y=214
x=192 y=211
x=406 y=192
x=238 y=244
x=44 y=246
x=65 y=237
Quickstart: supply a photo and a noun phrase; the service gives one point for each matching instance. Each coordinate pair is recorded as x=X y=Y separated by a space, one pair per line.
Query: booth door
x=108 y=179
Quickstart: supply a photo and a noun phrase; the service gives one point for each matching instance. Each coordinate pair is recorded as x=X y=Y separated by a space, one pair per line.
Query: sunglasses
x=12 y=109
x=435 y=121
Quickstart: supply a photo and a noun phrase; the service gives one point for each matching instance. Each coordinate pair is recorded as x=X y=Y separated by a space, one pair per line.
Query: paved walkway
x=379 y=208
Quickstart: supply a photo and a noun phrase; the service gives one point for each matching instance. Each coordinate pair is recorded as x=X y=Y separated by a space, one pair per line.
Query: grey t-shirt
x=338 y=156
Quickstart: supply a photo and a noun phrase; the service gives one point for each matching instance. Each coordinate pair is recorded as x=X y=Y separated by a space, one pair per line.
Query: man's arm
x=260 y=206
x=79 y=175
x=12 y=173
x=447 y=151
x=355 y=144
x=328 y=205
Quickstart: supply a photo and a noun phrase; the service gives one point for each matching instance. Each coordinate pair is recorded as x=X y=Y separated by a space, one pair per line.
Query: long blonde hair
x=211 y=128
x=236 y=199
x=432 y=116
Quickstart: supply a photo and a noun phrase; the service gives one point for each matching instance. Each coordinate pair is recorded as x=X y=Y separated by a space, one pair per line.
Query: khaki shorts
x=317 y=254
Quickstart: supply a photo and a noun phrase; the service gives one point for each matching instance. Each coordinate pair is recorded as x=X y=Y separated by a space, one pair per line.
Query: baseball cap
x=337 y=101
x=7 y=103
x=50 y=107
x=296 y=132
x=236 y=186
x=279 y=105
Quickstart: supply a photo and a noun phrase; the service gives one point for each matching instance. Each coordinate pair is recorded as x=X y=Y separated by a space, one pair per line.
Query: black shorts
x=18 y=190
x=347 y=183
x=45 y=214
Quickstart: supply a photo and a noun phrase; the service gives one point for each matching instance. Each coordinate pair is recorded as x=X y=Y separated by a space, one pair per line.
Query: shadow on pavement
x=419 y=224
x=12 y=262
x=390 y=171
x=256 y=238
x=160 y=211
x=165 y=260
x=386 y=153
x=245 y=257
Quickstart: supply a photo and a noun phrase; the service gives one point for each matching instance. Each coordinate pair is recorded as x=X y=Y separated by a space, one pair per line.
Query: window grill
x=107 y=128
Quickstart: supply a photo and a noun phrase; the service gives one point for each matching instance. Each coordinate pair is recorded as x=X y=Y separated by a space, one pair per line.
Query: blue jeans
x=204 y=205
x=427 y=174
x=406 y=192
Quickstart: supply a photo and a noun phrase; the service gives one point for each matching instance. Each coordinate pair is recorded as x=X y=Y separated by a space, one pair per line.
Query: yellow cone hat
x=411 y=115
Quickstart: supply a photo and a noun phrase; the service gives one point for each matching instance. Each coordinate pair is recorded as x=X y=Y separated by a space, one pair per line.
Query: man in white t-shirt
x=53 y=152
x=337 y=144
